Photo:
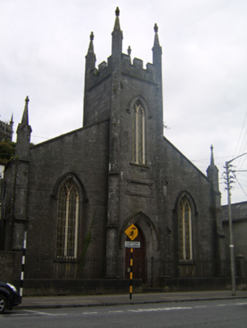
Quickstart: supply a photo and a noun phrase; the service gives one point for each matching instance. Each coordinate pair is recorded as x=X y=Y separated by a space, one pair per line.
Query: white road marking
x=235 y=304
x=46 y=313
x=200 y=306
x=179 y=308
x=89 y=312
x=161 y=309
x=30 y=312
x=18 y=314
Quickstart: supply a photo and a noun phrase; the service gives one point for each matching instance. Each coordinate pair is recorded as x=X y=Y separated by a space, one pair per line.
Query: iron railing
x=48 y=267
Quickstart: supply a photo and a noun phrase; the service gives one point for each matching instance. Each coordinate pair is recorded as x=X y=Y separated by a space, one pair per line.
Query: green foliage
x=7 y=151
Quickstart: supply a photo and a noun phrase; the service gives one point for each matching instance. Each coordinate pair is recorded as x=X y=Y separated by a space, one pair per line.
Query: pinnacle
x=25 y=112
x=91 y=48
x=156 y=38
x=117 y=23
x=212 y=155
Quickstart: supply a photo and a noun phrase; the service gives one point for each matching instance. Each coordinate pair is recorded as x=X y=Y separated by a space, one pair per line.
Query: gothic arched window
x=138 y=134
x=185 y=230
x=67 y=224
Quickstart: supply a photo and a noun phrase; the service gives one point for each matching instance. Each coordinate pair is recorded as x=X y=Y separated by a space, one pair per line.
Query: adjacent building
x=239 y=229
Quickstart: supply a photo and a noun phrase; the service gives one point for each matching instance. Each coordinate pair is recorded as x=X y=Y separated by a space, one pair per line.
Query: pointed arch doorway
x=139 y=258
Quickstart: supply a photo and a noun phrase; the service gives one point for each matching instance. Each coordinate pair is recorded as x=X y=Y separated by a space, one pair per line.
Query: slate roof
x=239 y=212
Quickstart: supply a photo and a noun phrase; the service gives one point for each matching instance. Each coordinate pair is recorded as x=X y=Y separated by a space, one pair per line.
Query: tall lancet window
x=138 y=133
x=67 y=224
x=185 y=230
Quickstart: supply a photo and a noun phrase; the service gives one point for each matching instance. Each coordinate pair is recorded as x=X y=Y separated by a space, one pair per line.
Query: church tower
x=129 y=96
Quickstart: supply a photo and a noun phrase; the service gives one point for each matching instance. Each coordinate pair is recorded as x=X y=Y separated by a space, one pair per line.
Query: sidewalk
x=107 y=300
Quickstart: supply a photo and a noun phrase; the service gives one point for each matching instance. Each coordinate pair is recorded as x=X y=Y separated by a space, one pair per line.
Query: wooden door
x=139 y=254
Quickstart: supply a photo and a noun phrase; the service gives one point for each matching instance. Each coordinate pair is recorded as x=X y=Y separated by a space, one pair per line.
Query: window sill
x=66 y=259
x=186 y=262
x=140 y=165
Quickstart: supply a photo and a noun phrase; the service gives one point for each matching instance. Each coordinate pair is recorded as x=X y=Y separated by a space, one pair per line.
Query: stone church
x=76 y=194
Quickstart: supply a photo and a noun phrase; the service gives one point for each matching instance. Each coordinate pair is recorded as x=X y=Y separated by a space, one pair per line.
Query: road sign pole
x=23 y=264
x=132 y=233
x=131 y=271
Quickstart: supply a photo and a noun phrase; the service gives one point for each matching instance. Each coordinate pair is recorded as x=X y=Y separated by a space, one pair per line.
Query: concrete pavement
x=107 y=300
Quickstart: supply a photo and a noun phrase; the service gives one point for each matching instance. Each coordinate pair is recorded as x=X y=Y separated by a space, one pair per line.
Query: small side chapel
x=76 y=194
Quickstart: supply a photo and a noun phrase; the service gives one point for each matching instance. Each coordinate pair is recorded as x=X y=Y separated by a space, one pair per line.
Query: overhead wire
x=237 y=153
x=239 y=183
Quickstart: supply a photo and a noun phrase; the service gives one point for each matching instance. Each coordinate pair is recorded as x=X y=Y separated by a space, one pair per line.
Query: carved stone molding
x=139 y=188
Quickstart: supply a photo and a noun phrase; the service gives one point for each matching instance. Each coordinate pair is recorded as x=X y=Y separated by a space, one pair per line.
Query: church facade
x=76 y=194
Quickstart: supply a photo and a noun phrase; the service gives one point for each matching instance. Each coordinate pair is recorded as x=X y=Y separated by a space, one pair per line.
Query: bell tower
x=129 y=96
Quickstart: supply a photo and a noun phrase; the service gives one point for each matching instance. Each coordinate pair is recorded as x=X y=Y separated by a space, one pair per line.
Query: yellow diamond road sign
x=132 y=232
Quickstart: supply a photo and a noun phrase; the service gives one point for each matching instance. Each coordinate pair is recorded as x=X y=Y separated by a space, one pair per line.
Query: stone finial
x=11 y=122
x=23 y=134
x=156 y=38
x=129 y=51
x=117 y=37
x=91 y=48
x=212 y=155
x=25 y=112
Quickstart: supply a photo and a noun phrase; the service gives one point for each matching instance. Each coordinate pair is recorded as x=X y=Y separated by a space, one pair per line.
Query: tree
x=7 y=150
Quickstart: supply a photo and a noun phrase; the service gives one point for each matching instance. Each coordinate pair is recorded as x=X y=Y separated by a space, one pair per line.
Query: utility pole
x=232 y=258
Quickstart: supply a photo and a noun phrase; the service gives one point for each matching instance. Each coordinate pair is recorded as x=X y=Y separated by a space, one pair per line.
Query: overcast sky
x=204 y=44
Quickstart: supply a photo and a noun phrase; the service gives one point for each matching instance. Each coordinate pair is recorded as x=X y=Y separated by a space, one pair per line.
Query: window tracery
x=185 y=250
x=67 y=224
x=138 y=133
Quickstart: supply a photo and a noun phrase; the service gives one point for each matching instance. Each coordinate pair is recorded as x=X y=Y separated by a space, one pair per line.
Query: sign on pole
x=132 y=244
x=132 y=233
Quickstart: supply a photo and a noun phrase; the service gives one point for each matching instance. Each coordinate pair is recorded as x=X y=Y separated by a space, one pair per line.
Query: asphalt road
x=213 y=314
